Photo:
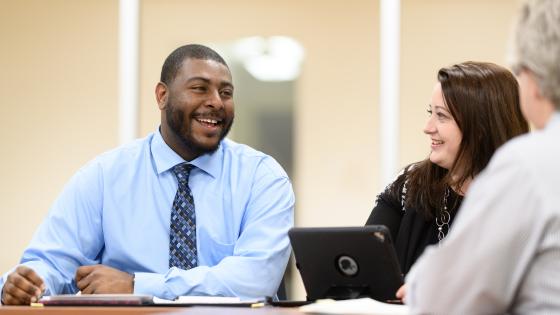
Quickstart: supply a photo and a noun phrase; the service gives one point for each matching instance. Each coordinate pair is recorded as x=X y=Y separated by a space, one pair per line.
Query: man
x=503 y=253
x=181 y=212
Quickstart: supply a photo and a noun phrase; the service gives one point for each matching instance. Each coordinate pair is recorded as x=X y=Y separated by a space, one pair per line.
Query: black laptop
x=347 y=262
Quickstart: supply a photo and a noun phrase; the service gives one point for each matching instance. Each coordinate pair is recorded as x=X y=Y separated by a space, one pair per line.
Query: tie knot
x=182 y=172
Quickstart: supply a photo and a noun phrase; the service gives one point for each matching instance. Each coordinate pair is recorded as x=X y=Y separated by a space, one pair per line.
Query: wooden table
x=125 y=310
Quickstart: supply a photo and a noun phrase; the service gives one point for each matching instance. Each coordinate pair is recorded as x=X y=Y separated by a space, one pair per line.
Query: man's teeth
x=208 y=121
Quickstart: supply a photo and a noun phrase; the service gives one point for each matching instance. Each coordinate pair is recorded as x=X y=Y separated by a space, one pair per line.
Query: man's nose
x=214 y=99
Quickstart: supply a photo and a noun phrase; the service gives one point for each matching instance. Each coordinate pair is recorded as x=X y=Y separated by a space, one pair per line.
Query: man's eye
x=227 y=93
x=199 y=88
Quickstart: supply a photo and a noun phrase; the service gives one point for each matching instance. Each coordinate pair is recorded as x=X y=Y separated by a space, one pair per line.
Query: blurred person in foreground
x=184 y=211
x=503 y=254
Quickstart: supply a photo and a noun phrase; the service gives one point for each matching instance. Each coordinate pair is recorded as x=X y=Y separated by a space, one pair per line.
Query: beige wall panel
x=58 y=105
x=436 y=34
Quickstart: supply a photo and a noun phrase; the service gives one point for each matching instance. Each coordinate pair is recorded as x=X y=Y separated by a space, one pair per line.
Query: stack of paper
x=365 y=306
x=205 y=300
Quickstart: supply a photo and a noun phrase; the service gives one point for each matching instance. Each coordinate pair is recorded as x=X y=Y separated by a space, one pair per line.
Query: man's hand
x=97 y=279
x=22 y=287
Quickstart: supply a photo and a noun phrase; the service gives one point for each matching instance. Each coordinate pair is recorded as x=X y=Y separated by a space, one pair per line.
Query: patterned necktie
x=182 y=241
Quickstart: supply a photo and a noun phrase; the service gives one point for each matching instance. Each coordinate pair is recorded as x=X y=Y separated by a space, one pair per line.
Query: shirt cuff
x=151 y=284
x=3 y=280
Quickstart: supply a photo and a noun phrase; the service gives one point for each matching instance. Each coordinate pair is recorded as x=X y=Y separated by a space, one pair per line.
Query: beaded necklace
x=444 y=218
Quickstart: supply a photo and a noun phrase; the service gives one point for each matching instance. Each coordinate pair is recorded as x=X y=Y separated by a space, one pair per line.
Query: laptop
x=347 y=262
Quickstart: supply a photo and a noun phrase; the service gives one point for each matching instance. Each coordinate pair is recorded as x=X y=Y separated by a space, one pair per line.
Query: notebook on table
x=96 y=300
x=347 y=262
x=142 y=300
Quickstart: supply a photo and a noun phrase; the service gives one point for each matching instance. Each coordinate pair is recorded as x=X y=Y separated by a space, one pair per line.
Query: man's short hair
x=174 y=61
x=536 y=45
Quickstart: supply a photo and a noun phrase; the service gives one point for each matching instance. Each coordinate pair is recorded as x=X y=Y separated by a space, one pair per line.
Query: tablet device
x=347 y=262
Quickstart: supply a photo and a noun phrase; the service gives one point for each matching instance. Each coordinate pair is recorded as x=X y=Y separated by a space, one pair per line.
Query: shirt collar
x=165 y=158
x=553 y=121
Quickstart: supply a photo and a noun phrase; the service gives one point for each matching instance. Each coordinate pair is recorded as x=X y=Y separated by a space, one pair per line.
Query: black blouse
x=410 y=231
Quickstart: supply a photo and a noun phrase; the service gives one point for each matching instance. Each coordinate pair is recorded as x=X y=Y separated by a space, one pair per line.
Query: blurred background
x=318 y=113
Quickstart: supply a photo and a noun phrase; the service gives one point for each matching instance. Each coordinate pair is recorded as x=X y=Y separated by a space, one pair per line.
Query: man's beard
x=183 y=132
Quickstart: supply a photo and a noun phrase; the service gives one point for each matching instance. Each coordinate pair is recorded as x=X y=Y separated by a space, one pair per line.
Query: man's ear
x=161 y=95
x=538 y=91
x=534 y=87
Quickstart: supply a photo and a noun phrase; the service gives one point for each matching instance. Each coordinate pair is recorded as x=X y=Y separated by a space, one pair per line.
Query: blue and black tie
x=182 y=241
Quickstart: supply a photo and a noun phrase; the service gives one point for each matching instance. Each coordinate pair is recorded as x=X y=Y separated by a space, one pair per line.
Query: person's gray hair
x=536 y=45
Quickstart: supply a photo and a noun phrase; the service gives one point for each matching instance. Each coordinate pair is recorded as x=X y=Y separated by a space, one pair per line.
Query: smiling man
x=183 y=211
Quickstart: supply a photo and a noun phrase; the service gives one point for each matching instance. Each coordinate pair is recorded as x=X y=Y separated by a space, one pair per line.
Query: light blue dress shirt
x=116 y=211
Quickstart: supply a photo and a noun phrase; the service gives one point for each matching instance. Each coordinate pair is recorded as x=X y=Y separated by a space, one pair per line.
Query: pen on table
x=36 y=301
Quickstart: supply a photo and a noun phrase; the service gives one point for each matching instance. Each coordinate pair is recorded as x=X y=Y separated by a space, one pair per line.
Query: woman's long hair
x=483 y=98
